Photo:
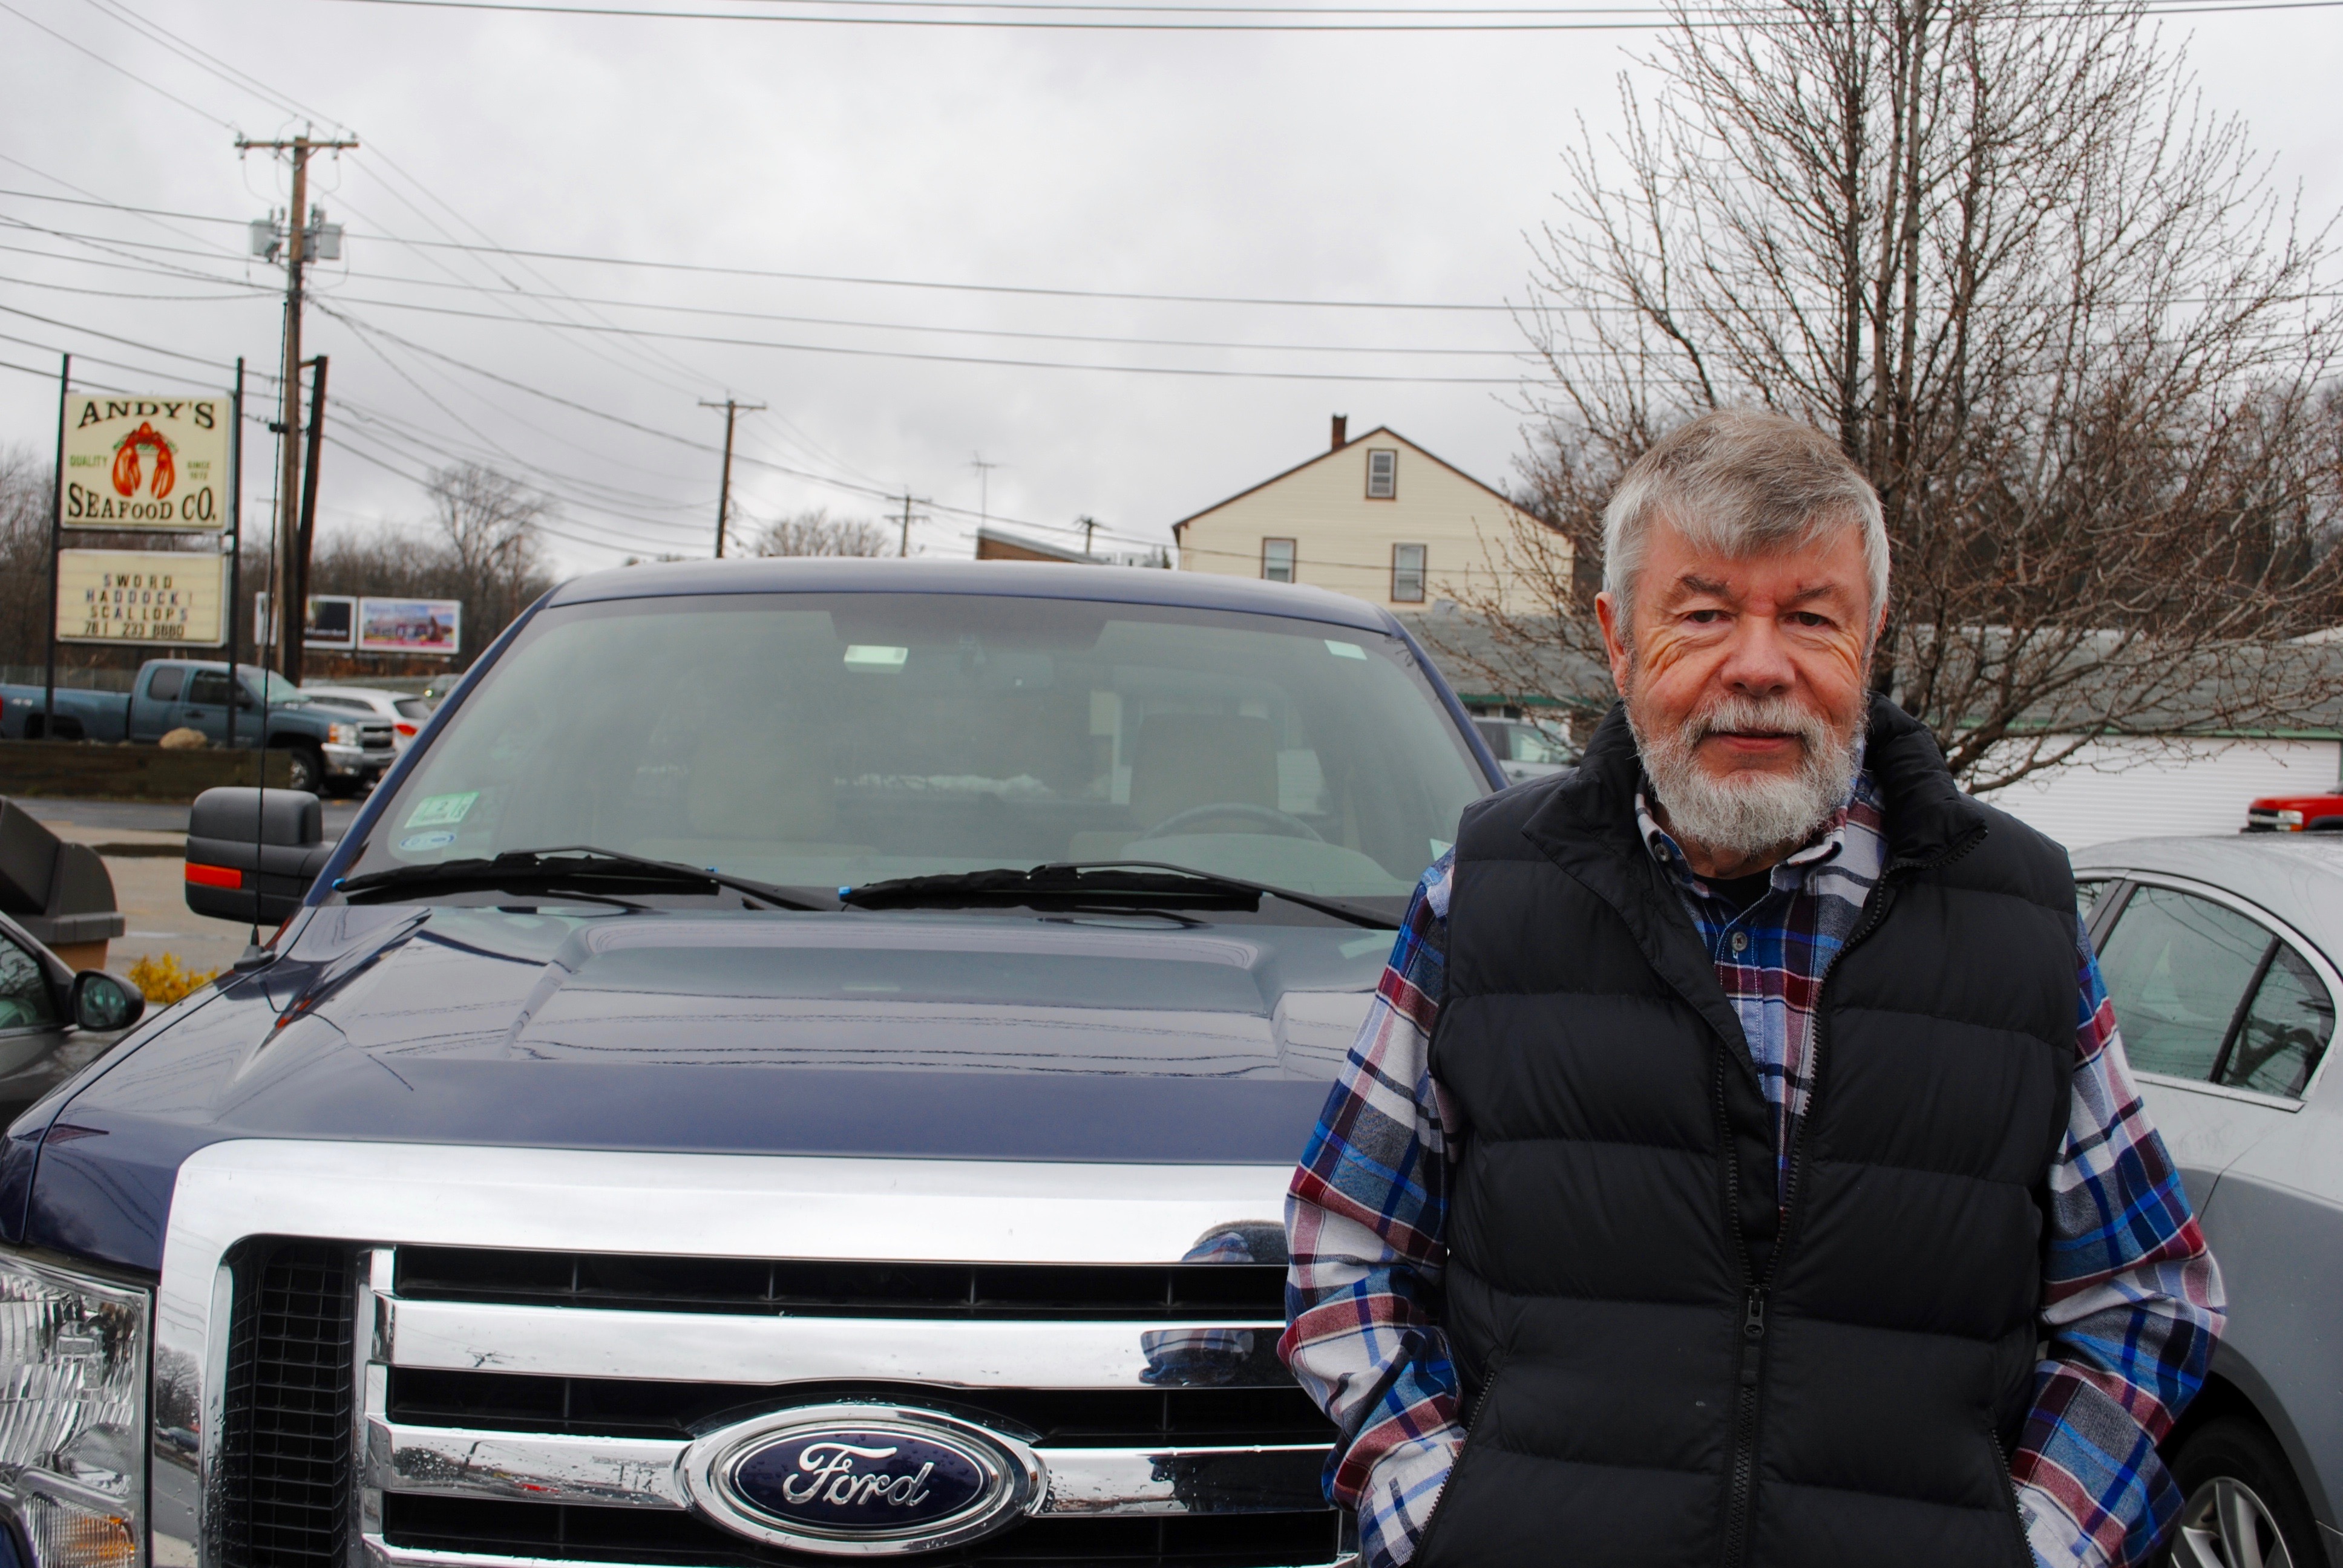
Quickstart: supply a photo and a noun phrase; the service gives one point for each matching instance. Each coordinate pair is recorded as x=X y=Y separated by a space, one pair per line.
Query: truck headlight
x=341 y=735
x=72 y=1409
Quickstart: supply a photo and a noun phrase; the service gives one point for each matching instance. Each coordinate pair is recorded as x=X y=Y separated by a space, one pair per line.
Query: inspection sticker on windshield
x=869 y=655
x=1344 y=649
x=440 y=840
x=442 y=811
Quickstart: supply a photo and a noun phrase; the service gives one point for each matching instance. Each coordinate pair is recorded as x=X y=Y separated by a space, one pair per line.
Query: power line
x=1014 y=24
x=1036 y=291
x=117 y=69
x=548 y=478
x=921 y=357
x=422 y=481
x=156 y=33
x=1537 y=309
x=722 y=313
x=259 y=420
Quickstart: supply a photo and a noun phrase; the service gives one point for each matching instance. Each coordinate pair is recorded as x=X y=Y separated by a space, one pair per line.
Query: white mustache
x=1756 y=716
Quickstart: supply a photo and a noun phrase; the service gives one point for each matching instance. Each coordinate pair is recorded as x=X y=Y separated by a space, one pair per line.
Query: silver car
x=2220 y=959
x=1526 y=751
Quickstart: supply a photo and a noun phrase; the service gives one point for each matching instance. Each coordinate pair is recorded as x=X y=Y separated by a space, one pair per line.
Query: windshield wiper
x=1119 y=884
x=572 y=864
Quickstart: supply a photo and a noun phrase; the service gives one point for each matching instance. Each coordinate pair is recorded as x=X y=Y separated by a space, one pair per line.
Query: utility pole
x=297 y=591
x=724 y=487
x=300 y=226
x=984 y=488
x=1088 y=526
x=56 y=544
x=904 y=550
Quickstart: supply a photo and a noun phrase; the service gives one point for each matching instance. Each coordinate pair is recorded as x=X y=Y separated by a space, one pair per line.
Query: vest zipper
x=1744 y=1423
x=1742 y=1475
x=2009 y=1490
x=1749 y=1389
x=1471 y=1420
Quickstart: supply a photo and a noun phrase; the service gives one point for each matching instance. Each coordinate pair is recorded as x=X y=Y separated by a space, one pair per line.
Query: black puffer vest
x=1655 y=1376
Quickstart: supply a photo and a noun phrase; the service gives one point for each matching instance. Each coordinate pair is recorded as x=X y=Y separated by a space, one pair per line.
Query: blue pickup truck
x=331 y=752
x=828 y=1097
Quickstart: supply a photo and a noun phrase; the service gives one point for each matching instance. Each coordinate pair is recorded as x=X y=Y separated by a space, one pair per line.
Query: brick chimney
x=1341 y=431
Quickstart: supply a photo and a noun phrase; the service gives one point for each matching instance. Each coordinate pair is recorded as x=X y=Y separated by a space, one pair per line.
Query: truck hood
x=893 y=1035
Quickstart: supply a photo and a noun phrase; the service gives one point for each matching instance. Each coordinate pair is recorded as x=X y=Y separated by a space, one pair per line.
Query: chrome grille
x=284 y=1453
x=849 y=1287
x=535 y=1405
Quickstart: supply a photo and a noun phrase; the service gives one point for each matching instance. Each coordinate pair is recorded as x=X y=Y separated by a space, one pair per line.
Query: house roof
x=987 y=535
x=1336 y=452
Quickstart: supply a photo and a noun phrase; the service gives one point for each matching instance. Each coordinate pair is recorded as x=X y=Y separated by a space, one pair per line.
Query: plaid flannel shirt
x=2132 y=1301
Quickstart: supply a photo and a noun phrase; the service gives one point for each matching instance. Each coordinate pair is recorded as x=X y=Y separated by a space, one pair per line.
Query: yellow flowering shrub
x=160 y=978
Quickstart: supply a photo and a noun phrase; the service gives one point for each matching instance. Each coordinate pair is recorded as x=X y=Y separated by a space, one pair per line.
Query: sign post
x=235 y=540
x=57 y=540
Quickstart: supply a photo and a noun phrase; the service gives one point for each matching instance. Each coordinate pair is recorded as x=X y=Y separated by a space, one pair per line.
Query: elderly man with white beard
x=1739 y=1165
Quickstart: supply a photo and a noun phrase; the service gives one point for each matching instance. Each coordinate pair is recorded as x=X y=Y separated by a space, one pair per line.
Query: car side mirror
x=104 y=1002
x=253 y=854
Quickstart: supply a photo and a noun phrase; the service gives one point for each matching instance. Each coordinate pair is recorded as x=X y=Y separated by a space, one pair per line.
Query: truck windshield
x=840 y=739
x=281 y=691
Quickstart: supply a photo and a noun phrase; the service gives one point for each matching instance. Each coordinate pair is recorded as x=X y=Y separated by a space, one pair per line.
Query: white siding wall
x=1344 y=540
x=2140 y=788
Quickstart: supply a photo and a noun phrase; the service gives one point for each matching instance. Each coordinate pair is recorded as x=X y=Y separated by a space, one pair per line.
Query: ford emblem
x=862 y=1479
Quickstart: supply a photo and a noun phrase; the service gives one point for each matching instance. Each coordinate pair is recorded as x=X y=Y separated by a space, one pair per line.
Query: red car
x=2295 y=814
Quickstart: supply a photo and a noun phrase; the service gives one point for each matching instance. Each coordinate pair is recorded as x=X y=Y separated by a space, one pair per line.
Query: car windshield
x=840 y=739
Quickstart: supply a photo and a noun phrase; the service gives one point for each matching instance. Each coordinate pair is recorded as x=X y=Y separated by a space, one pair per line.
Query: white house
x=1377 y=517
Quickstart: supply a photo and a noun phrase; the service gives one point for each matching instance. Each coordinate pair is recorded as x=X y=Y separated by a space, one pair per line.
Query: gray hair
x=1742 y=483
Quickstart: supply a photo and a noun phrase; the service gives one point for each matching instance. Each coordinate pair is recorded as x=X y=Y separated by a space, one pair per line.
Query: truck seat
x=748 y=785
x=1183 y=761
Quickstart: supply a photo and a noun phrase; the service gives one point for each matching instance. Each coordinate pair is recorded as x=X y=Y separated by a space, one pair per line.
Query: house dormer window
x=1382 y=475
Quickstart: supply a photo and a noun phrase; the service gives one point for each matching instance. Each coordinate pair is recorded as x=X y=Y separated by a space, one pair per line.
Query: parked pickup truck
x=828 y=1097
x=2312 y=813
x=331 y=752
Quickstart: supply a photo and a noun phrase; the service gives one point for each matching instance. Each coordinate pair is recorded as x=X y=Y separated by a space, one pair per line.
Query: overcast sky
x=1332 y=167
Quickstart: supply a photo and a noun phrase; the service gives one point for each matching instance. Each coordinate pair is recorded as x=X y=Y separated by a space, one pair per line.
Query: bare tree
x=817 y=533
x=490 y=522
x=2049 y=304
x=26 y=485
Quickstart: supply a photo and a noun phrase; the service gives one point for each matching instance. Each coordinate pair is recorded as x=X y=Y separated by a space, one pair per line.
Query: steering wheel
x=1289 y=827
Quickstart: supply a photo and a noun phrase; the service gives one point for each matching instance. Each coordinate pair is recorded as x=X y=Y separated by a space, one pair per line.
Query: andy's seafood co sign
x=147 y=462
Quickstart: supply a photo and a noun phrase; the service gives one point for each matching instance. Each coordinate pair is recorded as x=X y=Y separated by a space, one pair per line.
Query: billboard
x=147 y=462
x=141 y=597
x=411 y=625
x=332 y=622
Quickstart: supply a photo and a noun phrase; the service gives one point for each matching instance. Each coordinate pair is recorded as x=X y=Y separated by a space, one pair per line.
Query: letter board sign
x=141 y=597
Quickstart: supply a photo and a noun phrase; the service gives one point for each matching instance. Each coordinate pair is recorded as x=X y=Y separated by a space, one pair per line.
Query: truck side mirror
x=253 y=854
x=104 y=1002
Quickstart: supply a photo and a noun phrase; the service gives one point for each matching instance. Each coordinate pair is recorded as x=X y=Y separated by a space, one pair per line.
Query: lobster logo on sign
x=125 y=462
